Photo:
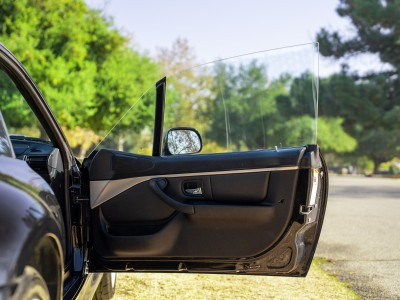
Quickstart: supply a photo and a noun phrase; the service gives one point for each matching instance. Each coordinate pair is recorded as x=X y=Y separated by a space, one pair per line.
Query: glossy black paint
x=159 y=116
x=29 y=212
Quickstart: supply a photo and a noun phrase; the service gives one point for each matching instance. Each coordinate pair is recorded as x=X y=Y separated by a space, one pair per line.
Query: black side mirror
x=182 y=140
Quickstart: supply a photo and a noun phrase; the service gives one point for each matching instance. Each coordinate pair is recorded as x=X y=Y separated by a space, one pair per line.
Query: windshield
x=255 y=101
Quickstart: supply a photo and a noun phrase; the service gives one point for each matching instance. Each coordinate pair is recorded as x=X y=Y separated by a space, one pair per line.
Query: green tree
x=51 y=39
x=377 y=28
x=82 y=64
x=187 y=86
x=297 y=118
x=366 y=112
x=368 y=104
x=332 y=138
x=243 y=109
x=125 y=83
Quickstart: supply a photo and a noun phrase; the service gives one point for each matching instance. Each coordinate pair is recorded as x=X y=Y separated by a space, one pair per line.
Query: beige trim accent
x=103 y=190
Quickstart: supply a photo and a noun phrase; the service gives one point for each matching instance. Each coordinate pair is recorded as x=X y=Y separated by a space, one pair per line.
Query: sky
x=220 y=28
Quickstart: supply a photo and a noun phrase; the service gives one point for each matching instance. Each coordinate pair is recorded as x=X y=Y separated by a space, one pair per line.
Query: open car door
x=252 y=202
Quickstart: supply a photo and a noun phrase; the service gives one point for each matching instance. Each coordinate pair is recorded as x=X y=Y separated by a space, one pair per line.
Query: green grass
x=317 y=285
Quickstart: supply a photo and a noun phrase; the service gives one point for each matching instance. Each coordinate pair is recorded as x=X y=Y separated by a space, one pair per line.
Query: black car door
x=248 y=210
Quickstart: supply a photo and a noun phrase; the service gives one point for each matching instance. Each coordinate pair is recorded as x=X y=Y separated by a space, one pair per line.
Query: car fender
x=29 y=213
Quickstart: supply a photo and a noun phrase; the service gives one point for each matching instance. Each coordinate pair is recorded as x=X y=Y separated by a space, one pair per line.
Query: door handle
x=192 y=188
x=158 y=185
x=194 y=192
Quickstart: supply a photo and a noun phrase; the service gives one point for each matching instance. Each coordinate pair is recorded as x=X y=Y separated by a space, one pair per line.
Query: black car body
x=254 y=212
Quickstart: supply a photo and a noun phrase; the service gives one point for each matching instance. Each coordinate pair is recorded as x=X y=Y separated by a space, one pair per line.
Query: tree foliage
x=368 y=104
x=80 y=61
x=249 y=111
x=242 y=106
x=377 y=28
x=332 y=138
x=187 y=86
x=91 y=78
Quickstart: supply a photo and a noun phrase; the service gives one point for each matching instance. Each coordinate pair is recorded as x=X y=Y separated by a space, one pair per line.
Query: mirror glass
x=183 y=141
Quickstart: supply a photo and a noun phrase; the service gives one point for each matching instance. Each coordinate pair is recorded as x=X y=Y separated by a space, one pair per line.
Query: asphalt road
x=361 y=235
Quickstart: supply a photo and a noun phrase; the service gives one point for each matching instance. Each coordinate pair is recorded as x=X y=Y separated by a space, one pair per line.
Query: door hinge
x=80 y=199
x=77 y=197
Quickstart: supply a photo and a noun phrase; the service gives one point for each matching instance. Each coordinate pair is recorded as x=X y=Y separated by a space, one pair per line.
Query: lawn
x=317 y=285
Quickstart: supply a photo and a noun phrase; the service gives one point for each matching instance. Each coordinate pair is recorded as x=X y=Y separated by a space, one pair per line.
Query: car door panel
x=247 y=203
x=114 y=165
x=247 y=212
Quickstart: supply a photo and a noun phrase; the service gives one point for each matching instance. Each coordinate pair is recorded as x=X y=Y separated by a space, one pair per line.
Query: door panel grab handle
x=158 y=185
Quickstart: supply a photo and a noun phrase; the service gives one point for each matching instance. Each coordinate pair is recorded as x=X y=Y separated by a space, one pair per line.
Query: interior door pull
x=197 y=191
x=158 y=185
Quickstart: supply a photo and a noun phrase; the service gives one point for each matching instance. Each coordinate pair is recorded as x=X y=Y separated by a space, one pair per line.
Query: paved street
x=361 y=235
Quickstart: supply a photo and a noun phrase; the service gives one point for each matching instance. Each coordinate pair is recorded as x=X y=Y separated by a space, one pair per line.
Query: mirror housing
x=182 y=140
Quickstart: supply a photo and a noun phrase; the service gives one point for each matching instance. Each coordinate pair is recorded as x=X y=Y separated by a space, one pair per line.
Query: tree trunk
x=377 y=162
x=121 y=142
x=82 y=153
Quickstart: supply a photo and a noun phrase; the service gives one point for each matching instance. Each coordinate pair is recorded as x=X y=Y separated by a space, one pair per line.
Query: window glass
x=135 y=129
x=5 y=143
x=20 y=119
x=261 y=100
